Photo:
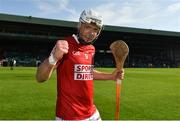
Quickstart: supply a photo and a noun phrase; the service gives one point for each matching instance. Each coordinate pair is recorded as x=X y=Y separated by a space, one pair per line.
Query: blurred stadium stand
x=29 y=40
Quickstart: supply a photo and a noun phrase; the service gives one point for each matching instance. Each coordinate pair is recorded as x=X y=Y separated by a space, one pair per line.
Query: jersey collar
x=75 y=37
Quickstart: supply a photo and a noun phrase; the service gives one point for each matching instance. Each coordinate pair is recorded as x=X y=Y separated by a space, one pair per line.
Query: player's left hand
x=118 y=74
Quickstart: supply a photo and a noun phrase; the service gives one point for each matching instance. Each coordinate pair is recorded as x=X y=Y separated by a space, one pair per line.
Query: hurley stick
x=120 y=51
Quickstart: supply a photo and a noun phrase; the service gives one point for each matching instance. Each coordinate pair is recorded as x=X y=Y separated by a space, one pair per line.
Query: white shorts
x=94 y=117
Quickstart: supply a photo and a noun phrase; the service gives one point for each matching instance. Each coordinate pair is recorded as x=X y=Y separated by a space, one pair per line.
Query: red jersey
x=75 y=82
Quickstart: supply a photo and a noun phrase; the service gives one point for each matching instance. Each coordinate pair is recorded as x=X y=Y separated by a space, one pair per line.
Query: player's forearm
x=102 y=75
x=44 y=71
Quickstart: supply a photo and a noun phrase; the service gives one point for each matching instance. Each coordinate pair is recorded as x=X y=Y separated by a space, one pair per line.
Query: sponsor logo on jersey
x=75 y=52
x=83 y=72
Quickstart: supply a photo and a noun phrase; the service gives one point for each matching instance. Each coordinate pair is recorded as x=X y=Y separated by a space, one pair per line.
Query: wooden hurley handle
x=118 y=92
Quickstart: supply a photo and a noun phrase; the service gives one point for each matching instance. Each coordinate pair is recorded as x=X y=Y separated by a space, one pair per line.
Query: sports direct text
x=83 y=72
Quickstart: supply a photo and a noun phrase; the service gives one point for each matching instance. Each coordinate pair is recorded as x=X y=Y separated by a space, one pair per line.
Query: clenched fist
x=58 y=51
x=61 y=48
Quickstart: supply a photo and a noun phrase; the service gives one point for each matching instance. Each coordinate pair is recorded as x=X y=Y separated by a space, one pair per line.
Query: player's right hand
x=60 y=49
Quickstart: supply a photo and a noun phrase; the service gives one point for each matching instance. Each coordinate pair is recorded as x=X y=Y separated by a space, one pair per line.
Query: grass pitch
x=147 y=94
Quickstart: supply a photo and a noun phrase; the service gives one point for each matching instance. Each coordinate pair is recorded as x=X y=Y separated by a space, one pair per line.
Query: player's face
x=88 y=32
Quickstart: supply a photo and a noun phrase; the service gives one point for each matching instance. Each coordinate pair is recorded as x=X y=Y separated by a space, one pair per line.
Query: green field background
x=147 y=94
